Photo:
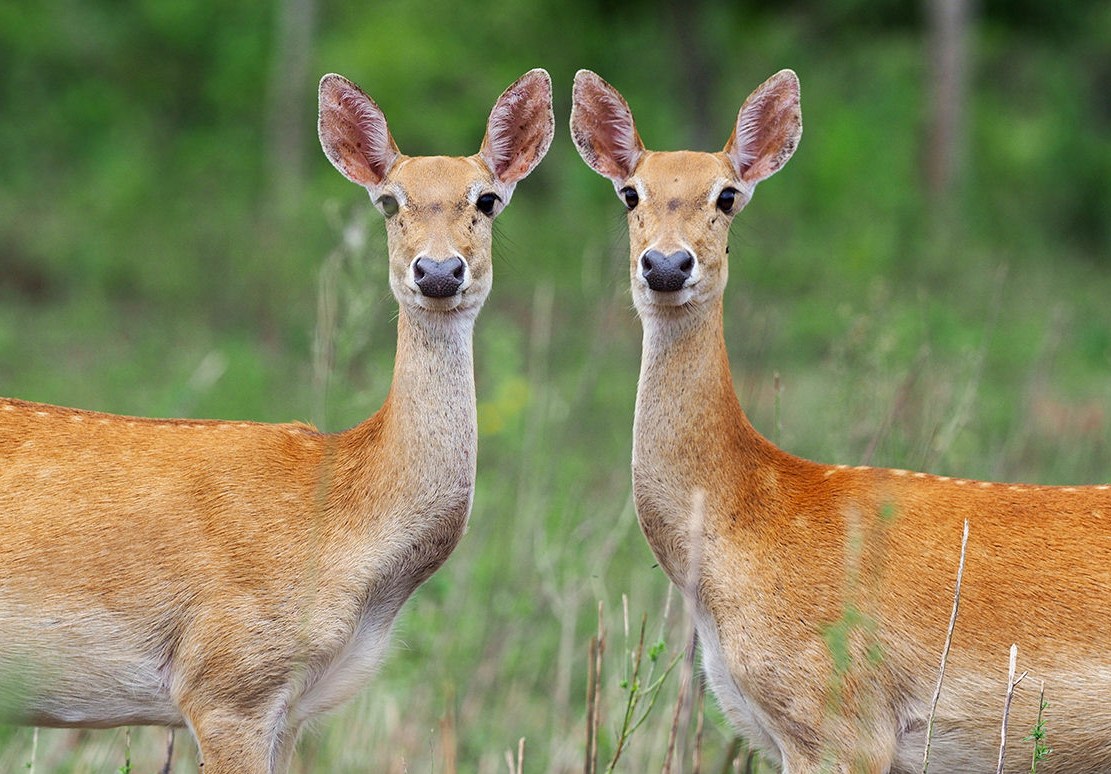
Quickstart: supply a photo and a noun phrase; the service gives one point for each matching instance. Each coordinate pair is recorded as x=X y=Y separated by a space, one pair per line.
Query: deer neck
x=415 y=458
x=689 y=432
x=431 y=403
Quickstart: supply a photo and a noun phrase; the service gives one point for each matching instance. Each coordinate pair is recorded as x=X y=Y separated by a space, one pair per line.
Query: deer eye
x=726 y=200
x=629 y=194
x=388 y=205
x=486 y=202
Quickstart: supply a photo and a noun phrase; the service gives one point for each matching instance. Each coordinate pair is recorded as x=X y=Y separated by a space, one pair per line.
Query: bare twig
x=517 y=767
x=1012 y=681
x=593 y=688
x=680 y=703
x=945 y=652
x=591 y=679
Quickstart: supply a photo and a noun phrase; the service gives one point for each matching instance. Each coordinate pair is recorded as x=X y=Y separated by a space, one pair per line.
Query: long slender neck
x=432 y=396
x=419 y=450
x=690 y=433
x=685 y=392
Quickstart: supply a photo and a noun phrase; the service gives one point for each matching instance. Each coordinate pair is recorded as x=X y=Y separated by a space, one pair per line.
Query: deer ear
x=768 y=128
x=353 y=132
x=520 y=128
x=603 y=129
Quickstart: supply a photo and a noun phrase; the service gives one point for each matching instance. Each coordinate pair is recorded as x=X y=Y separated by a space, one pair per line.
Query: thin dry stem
x=591 y=698
x=945 y=651
x=447 y=735
x=1012 y=681
x=169 y=753
x=518 y=766
x=634 y=695
x=680 y=704
x=697 y=765
x=727 y=765
x=593 y=689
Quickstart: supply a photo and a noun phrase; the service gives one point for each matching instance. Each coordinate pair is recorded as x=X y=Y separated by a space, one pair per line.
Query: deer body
x=241 y=578
x=822 y=593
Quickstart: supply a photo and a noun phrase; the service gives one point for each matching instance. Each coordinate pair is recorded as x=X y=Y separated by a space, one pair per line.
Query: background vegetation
x=167 y=222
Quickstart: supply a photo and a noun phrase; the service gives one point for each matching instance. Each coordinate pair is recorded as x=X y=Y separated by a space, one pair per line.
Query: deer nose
x=439 y=279
x=666 y=272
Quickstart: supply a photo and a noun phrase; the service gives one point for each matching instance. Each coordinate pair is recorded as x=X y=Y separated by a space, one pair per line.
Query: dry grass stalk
x=593 y=688
x=518 y=766
x=728 y=764
x=169 y=753
x=1012 y=681
x=681 y=703
x=697 y=765
x=447 y=736
x=634 y=691
x=945 y=652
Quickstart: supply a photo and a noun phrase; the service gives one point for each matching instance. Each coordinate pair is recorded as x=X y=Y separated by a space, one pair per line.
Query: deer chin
x=673 y=299
x=462 y=303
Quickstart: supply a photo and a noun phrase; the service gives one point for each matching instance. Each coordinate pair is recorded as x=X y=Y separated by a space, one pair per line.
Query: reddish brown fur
x=822 y=592
x=241 y=578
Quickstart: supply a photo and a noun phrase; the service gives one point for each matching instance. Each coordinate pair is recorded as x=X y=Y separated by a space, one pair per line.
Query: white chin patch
x=672 y=298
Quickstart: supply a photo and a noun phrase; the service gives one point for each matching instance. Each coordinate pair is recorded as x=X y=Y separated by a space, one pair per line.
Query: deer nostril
x=666 y=273
x=439 y=279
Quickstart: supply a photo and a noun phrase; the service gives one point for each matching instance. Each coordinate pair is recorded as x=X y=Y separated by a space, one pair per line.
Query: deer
x=240 y=578
x=822 y=594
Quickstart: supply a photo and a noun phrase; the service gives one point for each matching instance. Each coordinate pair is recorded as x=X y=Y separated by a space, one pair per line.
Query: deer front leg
x=231 y=742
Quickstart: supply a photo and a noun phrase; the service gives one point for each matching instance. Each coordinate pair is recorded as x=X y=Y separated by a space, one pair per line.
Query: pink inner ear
x=767 y=130
x=520 y=128
x=353 y=132
x=377 y=145
x=604 y=131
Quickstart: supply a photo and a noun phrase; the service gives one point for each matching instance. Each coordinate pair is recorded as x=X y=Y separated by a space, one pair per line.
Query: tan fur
x=240 y=578
x=823 y=593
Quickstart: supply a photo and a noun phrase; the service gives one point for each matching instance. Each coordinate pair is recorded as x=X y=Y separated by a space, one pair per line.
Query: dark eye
x=726 y=199
x=629 y=194
x=388 y=205
x=486 y=202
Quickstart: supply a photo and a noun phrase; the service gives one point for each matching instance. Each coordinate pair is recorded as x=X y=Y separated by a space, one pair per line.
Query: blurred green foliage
x=165 y=214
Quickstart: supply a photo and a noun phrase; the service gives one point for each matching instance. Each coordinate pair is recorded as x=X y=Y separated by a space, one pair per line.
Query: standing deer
x=822 y=593
x=241 y=578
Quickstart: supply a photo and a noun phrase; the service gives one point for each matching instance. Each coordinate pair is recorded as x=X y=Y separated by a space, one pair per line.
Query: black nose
x=666 y=272
x=438 y=279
